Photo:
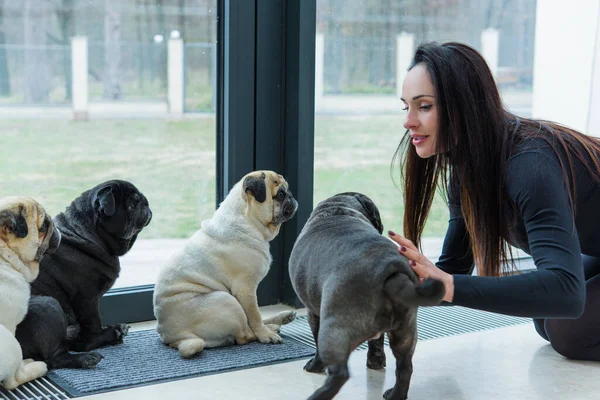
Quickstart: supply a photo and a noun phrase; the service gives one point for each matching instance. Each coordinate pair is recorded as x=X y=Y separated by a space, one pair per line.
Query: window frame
x=265 y=120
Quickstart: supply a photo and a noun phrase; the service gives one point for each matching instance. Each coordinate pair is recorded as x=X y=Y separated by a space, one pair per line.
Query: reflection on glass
x=362 y=51
x=143 y=111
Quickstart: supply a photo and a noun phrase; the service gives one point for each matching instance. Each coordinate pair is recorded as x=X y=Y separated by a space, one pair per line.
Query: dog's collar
x=14 y=261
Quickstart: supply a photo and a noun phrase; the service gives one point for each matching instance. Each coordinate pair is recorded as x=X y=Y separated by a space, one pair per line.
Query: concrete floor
x=506 y=363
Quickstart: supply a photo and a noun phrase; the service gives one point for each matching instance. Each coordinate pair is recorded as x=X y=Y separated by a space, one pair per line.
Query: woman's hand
x=422 y=266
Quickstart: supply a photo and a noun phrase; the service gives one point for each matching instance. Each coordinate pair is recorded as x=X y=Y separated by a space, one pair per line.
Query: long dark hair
x=475 y=137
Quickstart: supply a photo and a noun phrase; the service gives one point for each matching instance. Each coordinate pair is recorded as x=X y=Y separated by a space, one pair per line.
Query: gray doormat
x=143 y=359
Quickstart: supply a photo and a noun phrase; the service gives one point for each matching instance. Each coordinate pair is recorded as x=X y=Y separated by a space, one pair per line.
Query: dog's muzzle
x=53 y=243
x=289 y=208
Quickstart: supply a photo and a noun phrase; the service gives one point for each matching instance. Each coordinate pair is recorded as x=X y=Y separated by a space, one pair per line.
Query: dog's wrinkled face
x=27 y=230
x=120 y=209
x=269 y=198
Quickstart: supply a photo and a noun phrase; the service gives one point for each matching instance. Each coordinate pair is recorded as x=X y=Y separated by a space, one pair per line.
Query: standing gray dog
x=355 y=286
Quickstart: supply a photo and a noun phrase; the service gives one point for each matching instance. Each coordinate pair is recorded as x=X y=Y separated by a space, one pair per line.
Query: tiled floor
x=506 y=363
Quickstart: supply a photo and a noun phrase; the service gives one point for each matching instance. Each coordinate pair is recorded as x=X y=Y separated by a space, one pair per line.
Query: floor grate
x=432 y=323
x=40 y=389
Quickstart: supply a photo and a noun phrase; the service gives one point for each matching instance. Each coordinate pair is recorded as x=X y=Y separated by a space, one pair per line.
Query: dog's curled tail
x=401 y=289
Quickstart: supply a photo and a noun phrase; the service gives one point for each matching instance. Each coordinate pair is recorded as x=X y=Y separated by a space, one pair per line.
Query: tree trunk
x=112 y=50
x=142 y=42
x=162 y=50
x=181 y=19
x=37 y=74
x=150 y=32
x=4 y=74
x=66 y=23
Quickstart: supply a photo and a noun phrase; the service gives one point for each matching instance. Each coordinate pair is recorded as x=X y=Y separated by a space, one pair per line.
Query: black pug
x=98 y=227
x=356 y=286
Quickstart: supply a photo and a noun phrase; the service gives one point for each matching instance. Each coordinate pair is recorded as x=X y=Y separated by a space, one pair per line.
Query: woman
x=531 y=184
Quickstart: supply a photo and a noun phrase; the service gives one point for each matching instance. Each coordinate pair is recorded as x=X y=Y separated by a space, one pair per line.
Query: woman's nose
x=410 y=121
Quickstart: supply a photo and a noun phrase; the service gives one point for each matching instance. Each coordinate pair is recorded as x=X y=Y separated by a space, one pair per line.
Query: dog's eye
x=44 y=227
x=280 y=195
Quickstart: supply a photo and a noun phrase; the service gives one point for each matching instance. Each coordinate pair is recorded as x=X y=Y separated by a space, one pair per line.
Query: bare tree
x=66 y=22
x=181 y=19
x=162 y=51
x=112 y=50
x=495 y=13
x=4 y=74
x=140 y=39
x=37 y=72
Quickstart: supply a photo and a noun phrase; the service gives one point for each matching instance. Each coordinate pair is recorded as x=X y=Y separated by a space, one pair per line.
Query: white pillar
x=489 y=48
x=593 y=126
x=175 y=92
x=405 y=48
x=319 y=67
x=565 y=44
x=79 y=78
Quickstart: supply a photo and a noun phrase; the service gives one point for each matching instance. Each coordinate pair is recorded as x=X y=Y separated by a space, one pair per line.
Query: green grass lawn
x=173 y=164
x=355 y=154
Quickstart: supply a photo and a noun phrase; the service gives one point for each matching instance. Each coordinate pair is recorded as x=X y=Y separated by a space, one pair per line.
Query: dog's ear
x=372 y=212
x=15 y=222
x=104 y=201
x=257 y=187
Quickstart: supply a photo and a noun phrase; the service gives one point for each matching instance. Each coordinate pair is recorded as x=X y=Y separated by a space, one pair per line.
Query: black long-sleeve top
x=545 y=229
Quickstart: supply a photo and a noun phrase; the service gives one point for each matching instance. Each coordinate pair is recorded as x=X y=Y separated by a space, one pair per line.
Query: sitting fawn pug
x=355 y=285
x=26 y=234
x=206 y=295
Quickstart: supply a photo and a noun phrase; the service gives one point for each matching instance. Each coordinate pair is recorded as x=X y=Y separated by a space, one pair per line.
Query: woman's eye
x=405 y=108
x=426 y=107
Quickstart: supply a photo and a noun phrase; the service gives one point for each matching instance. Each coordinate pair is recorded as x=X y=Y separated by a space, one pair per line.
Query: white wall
x=593 y=127
x=565 y=45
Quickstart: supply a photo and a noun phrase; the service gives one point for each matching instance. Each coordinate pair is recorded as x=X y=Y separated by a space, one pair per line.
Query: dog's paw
x=287 y=317
x=375 y=357
x=121 y=330
x=389 y=395
x=274 y=327
x=314 y=365
x=90 y=360
x=376 y=362
x=268 y=336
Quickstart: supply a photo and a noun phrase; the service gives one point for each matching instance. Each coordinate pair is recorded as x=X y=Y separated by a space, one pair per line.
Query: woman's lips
x=418 y=139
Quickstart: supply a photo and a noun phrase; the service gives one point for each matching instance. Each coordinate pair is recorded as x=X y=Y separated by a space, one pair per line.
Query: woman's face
x=418 y=96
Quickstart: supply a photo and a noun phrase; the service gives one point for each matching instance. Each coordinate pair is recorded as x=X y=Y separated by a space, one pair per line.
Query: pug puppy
x=26 y=235
x=99 y=226
x=355 y=285
x=206 y=295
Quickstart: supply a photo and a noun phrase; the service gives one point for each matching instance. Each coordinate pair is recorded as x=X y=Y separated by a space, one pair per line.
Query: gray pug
x=355 y=286
x=99 y=226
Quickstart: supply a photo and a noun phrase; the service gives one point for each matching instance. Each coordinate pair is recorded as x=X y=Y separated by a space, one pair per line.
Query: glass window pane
x=361 y=55
x=141 y=122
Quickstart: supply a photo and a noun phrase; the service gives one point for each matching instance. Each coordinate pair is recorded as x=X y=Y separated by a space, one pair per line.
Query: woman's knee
x=566 y=340
x=540 y=329
x=569 y=350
